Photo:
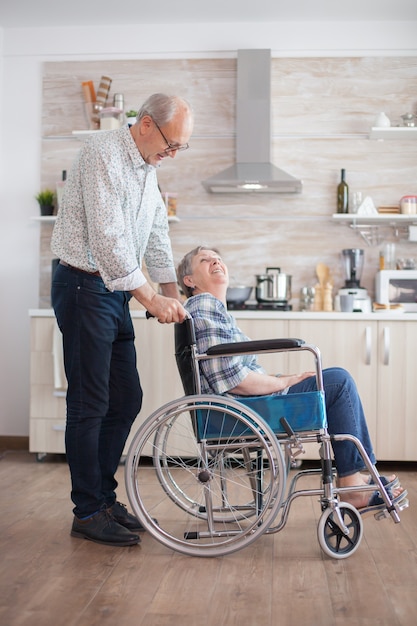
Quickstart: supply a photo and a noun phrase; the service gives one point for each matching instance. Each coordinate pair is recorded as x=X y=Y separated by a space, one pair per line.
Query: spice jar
x=409 y=205
x=110 y=118
x=387 y=257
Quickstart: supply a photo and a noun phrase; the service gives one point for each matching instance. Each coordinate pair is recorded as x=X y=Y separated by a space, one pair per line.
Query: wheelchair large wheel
x=333 y=541
x=206 y=498
x=173 y=439
x=165 y=448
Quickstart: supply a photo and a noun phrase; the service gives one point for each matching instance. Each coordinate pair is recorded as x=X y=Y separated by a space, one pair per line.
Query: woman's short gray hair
x=162 y=108
x=185 y=267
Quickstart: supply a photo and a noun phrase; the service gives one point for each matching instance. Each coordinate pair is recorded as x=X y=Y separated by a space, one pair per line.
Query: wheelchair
x=207 y=474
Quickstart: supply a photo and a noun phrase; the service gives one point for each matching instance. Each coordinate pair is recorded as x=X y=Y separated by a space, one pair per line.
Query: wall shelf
x=369 y=226
x=75 y=135
x=393 y=132
x=43 y=218
x=387 y=219
x=52 y=218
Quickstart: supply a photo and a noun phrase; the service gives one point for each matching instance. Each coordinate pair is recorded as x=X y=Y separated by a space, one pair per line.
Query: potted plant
x=131 y=116
x=46 y=199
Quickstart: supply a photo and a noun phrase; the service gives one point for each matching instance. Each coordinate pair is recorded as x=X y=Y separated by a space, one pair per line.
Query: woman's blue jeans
x=104 y=394
x=344 y=416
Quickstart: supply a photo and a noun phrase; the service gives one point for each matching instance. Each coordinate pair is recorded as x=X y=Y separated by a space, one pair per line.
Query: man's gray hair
x=162 y=108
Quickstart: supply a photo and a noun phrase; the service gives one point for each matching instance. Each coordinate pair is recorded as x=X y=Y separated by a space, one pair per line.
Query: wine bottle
x=342 y=194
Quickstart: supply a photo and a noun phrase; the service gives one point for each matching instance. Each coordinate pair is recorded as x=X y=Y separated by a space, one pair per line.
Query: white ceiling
x=49 y=13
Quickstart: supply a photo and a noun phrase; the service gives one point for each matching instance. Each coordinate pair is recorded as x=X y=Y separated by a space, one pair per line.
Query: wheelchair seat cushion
x=303 y=411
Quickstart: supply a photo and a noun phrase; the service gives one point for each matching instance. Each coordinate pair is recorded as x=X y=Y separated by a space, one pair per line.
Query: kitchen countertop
x=282 y=315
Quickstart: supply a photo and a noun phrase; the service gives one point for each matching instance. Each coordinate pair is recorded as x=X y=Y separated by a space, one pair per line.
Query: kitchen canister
x=408 y=205
x=382 y=121
x=110 y=118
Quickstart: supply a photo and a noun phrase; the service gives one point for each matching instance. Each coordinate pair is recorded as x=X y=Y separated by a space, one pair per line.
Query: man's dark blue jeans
x=104 y=394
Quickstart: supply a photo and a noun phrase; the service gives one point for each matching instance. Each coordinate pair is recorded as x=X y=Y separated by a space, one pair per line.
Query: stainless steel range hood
x=253 y=171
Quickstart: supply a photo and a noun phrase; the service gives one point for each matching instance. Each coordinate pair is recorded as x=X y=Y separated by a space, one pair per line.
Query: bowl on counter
x=238 y=295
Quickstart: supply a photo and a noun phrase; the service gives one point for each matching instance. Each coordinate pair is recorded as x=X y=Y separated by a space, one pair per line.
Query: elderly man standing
x=111 y=218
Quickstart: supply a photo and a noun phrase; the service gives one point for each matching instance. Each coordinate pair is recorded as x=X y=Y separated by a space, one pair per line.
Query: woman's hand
x=257 y=384
x=288 y=380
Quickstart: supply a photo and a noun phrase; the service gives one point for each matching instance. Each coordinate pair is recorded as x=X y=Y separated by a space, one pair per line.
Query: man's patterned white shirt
x=112 y=215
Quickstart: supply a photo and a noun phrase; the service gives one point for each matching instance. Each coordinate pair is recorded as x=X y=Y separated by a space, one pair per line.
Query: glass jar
x=409 y=205
x=110 y=118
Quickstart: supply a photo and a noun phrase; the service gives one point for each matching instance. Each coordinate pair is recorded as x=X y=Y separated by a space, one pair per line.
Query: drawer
x=46 y=403
x=47 y=435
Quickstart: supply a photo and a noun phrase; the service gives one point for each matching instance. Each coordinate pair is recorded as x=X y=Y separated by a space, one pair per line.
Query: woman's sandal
x=376 y=503
x=386 y=482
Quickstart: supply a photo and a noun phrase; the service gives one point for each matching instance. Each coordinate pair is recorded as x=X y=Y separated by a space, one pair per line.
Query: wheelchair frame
x=231 y=488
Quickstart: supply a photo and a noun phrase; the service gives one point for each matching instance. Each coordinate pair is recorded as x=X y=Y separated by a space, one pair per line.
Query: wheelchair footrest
x=385 y=513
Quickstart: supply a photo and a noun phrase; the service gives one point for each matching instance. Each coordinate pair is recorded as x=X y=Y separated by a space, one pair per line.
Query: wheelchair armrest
x=252 y=347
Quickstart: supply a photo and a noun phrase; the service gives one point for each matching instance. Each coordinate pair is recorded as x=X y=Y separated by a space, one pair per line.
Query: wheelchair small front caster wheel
x=332 y=539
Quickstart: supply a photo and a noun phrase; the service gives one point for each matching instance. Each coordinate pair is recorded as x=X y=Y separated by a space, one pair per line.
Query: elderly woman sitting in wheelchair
x=203 y=277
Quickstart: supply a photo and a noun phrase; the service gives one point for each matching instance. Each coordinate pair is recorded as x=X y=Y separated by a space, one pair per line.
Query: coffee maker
x=359 y=301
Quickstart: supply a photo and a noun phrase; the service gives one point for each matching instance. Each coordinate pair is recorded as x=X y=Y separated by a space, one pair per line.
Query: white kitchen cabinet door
x=161 y=383
x=47 y=407
x=348 y=344
x=47 y=436
x=157 y=368
x=276 y=363
x=156 y=363
x=397 y=391
x=283 y=363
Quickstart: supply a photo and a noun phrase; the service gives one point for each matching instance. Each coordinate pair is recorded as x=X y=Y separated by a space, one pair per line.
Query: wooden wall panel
x=322 y=109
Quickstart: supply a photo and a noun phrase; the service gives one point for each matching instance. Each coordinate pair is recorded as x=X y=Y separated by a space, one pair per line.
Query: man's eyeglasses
x=171 y=147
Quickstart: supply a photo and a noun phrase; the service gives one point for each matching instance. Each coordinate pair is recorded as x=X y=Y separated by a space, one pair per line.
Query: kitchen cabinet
x=267 y=329
x=396 y=390
x=347 y=344
x=47 y=405
x=380 y=355
x=286 y=362
x=156 y=364
x=378 y=352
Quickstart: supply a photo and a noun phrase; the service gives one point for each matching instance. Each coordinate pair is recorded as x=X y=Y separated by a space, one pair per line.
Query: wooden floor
x=48 y=578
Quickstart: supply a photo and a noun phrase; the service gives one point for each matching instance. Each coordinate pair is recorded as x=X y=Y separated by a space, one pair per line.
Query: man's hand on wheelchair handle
x=166 y=310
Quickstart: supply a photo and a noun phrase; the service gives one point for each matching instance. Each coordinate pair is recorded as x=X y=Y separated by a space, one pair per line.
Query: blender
x=359 y=301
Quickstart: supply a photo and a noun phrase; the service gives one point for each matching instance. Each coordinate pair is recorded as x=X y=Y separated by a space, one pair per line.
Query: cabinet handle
x=386 y=345
x=368 y=345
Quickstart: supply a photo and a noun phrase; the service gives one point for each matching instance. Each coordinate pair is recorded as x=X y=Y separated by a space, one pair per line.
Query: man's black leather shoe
x=103 y=528
x=121 y=515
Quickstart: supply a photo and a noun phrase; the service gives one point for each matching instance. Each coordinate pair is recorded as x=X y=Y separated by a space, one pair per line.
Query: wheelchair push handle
x=150 y=316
